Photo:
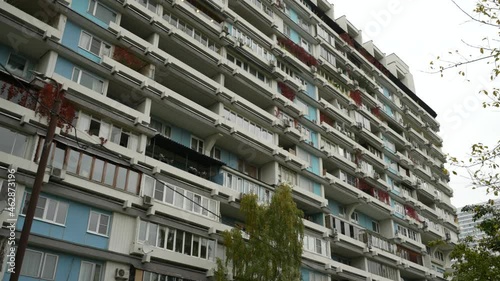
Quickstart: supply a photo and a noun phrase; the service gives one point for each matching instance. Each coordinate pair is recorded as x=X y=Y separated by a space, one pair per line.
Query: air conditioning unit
x=289 y=123
x=147 y=200
x=122 y=274
x=58 y=173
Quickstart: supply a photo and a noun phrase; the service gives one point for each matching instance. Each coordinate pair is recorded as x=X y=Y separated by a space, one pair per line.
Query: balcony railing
x=343 y=227
x=377 y=242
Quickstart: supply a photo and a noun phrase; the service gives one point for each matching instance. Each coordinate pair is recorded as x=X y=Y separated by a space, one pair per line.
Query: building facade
x=468 y=227
x=182 y=106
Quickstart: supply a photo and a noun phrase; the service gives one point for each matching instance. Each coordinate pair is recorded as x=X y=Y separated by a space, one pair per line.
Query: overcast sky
x=418 y=31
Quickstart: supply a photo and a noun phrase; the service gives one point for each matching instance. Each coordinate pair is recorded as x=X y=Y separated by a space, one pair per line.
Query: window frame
x=102 y=44
x=94 y=265
x=98 y=223
x=45 y=209
x=42 y=264
x=79 y=78
x=14 y=71
x=198 y=146
x=98 y=3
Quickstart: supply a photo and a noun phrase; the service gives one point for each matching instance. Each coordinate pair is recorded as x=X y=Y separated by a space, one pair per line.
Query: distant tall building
x=185 y=105
x=468 y=227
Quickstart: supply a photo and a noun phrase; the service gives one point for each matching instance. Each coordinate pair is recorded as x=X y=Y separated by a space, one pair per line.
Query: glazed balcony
x=182 y=157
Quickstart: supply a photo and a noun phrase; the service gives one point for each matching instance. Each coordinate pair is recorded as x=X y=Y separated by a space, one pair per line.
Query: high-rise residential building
x=468 y=227
x=182 y=106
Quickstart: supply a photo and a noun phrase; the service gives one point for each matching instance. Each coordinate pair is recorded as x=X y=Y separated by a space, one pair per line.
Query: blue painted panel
x=317 y=188
x=230 y=159
x=313 y=113
x=4 y=54
x=315 y=164
x=71 y=39
x=229 y=27
x=314 y=139
x=305 y=274
x=386 y=92
x=294 y=36
x=293 y=15
x=319 y=218
x=64 y=67
x=181 y=136
x=388 y=110
x=218 y=179
x=75 y=229
x=311 y=90
x=334 y=207
x=365 y=221
x=71 y=36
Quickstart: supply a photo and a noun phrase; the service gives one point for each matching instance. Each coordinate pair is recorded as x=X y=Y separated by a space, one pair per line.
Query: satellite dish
x=146 y=248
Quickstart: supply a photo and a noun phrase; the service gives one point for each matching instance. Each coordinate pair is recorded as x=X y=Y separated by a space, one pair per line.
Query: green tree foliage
x=479 y=260
x=274 y=248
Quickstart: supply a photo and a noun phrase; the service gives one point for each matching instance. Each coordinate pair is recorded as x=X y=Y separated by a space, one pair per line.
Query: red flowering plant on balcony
x=127 y=58
x=44 y=98
x=383 y=196
x=286 y=91
x=356 y=97
x=298 y=51
x=347 y=38
x=376 y=112
x=412 y=213
x=327 y=119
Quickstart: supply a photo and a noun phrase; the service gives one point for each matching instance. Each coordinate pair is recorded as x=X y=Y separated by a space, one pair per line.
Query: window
x=355 y=217
x=177 y=240
x=162 y=128
x=17 y=64
x=39 y=265
x=98 y=223
x=148 y=4
x=215 y=153
x=12 y=142
x=287 y=31
x=94 y=45
x=399 y=208
x=304 y=44
x=375 y=226
x=313 y=276
x=102 y=171
x=439 y=255
x=197 y=144
x=90 y=271
x=315 y=245
x=87 y=80
x=151 y=276
x=101 y=12
x=97 y=127
x=165 y=193
x=306 y=184
x=48 y=209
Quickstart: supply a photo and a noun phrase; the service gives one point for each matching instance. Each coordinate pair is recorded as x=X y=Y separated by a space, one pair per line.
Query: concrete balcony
x=29 y=21
x=336 y=112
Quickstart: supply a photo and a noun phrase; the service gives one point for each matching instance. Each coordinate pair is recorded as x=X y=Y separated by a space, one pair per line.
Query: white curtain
x=104 y=130
x=83 y=123
x=85 y=272
x=133 y=142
